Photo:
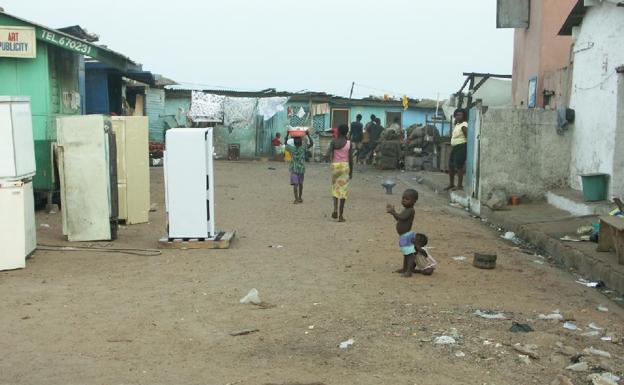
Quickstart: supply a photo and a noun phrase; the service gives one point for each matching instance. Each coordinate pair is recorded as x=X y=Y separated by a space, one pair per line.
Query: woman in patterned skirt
x=340 y=153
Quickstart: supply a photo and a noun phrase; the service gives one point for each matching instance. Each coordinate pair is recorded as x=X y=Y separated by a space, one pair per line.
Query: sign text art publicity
x=18 y=42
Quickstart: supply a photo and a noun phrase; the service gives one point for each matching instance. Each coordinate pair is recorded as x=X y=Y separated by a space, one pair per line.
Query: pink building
x=541 y=55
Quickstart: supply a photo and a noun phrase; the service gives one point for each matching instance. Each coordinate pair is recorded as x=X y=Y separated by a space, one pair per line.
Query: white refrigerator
x=189 y=183
x=17 y=148
x=18 y=232
x=18 y=237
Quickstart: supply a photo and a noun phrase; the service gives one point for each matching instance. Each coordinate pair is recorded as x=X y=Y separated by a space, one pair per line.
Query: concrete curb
x=565 y=256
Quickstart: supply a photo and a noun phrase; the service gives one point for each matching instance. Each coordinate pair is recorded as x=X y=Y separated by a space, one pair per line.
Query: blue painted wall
x=409 y=116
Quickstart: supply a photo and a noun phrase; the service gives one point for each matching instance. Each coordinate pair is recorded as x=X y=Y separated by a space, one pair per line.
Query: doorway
x=340 y=116
x=392 y=116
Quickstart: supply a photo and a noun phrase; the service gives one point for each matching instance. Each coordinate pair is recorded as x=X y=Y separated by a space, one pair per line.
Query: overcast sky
x=414 y=47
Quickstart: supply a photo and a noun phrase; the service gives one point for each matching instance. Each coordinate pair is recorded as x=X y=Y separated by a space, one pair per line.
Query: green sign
x=66 y=42
x=83 y=48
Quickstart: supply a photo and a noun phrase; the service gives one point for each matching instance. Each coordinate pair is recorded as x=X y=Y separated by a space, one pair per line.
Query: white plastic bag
x=252 y=297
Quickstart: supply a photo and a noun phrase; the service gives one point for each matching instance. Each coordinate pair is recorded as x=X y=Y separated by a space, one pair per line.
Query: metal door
x=472 y=158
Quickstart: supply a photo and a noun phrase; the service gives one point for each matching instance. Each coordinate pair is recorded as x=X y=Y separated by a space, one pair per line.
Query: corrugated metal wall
x=155 y=110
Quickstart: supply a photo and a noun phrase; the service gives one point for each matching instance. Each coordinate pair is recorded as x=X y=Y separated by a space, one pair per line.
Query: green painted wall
x=172 y=106
x=45 y=80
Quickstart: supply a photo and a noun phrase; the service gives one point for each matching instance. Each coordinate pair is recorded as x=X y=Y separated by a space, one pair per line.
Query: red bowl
x=297 y=133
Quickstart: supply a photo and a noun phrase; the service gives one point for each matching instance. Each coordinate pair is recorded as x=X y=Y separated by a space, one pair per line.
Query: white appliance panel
x=85 y=177
x=189 y=183
x=17 y=147
x=18 y=236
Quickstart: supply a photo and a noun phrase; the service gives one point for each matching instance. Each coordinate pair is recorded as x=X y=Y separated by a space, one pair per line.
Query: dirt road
x=107 y=318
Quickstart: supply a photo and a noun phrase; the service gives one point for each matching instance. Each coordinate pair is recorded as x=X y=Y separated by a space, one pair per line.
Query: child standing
x=277 y=141
x=297 y=164
x=405 y=219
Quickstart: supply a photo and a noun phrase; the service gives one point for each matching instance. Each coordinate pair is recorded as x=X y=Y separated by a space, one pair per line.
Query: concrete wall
x=521 y=152
x=598 y=50
x=538 y=49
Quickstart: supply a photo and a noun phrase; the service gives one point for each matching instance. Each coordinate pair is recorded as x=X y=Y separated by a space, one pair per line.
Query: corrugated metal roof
x=115 y=55
x=183 y=91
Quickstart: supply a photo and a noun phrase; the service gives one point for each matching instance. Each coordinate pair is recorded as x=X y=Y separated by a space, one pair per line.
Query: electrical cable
x=602 y=82
x=138 y=252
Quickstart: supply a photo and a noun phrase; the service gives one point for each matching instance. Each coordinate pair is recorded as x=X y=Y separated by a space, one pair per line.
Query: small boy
x=404 y=228
x=277 y=141
x=297 y=164
x=425 y=264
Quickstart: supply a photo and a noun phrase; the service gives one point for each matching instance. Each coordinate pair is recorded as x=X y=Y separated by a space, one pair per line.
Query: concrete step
x=573 y=202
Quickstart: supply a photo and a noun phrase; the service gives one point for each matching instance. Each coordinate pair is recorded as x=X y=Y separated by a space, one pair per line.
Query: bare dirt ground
x=109 y=318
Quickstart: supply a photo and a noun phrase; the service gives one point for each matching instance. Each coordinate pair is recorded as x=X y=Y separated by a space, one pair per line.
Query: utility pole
x=351 y=93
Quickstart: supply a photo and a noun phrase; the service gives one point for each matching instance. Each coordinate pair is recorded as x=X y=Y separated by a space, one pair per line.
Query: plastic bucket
x=595 y=186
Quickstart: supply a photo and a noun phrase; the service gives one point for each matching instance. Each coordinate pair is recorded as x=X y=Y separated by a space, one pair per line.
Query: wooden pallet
x=221 y=241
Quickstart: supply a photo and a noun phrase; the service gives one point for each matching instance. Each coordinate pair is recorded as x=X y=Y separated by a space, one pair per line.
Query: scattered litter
x=607 y=338
x=605 y=378
x=594 y=326
x=510 y=236
x=568 y=238
x=552 y=316
x=460 y=354
x=252 y=297
x=47 y=226
x=498 y=345
x=460 y=258
x=520 y=328
x=587 y=283
x=538 y=261
x=584 y=230
x=570 y=326
x=444 y=340
x=591 y=333
x=153 y=207
x=487 y=343
x=454 y=333
x=346 y=344
x=529 y=350
x=244 y=332
x=578 y=367
x=490 y=314
x=524 y=359
x=597 y=352
x=602 y=308
x=311 y=327
x=276 y=246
